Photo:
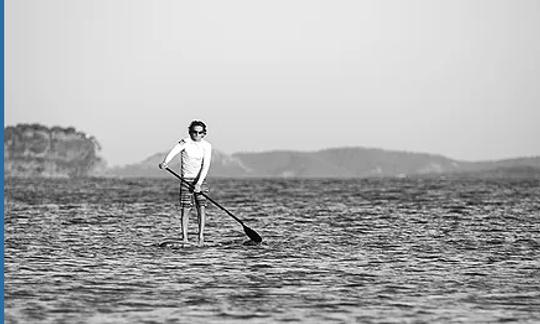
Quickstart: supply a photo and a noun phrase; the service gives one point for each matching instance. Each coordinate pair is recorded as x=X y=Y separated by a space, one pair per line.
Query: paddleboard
x=177 y=243
x=167 y=243
x=172 y=243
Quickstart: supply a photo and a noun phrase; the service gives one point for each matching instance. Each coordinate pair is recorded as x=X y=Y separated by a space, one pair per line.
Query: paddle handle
x=206 y=196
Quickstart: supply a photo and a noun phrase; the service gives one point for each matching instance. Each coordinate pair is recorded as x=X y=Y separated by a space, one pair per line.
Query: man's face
x=196 y=133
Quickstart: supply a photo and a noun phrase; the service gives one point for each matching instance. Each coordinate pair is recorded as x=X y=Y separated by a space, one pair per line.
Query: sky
x=459 y=78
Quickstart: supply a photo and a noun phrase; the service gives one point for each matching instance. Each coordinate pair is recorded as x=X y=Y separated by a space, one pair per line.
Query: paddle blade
x=254 y=236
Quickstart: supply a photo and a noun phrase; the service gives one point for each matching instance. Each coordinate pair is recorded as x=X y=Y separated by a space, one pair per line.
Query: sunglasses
x=198 y=133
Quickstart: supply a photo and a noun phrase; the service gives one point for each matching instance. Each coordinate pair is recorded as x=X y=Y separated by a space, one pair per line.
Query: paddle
x=254 y=236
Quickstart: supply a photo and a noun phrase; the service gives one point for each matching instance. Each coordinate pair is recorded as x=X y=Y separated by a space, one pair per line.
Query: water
x=388 y=250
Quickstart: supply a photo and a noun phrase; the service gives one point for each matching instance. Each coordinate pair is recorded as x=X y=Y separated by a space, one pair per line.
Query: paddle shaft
x=205 y=195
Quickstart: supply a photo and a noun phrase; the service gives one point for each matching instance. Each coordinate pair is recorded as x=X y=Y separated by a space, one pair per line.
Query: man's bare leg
x=184 y=219
x=201 y=212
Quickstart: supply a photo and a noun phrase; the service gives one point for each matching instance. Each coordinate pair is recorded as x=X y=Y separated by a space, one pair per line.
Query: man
x=195 y=154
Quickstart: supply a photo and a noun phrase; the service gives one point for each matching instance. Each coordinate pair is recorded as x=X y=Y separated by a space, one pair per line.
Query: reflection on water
x=334 y=251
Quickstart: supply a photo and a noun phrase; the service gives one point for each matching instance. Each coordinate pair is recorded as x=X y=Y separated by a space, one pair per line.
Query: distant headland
x=33 y=150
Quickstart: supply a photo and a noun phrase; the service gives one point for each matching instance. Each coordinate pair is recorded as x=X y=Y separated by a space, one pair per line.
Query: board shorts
x=188 y=198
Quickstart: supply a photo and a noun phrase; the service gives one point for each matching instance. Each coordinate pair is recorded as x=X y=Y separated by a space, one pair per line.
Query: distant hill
x=223 y=165
x=506 y=165
x=344 y=162
x=348 y=162
x=34 y=150
x=513 y=172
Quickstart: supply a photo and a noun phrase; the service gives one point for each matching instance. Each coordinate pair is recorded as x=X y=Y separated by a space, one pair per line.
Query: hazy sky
x=458 y=78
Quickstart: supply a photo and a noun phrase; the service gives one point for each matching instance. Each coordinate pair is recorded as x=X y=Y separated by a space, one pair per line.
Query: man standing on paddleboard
x=195 y=154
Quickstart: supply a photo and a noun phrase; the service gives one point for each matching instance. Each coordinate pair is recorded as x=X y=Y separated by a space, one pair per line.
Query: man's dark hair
x=197 y=123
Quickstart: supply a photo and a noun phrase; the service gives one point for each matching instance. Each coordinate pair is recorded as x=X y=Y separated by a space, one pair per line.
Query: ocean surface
x=334 y=251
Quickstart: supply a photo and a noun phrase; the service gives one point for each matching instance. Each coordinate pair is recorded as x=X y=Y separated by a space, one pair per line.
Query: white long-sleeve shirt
x=194 y=158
